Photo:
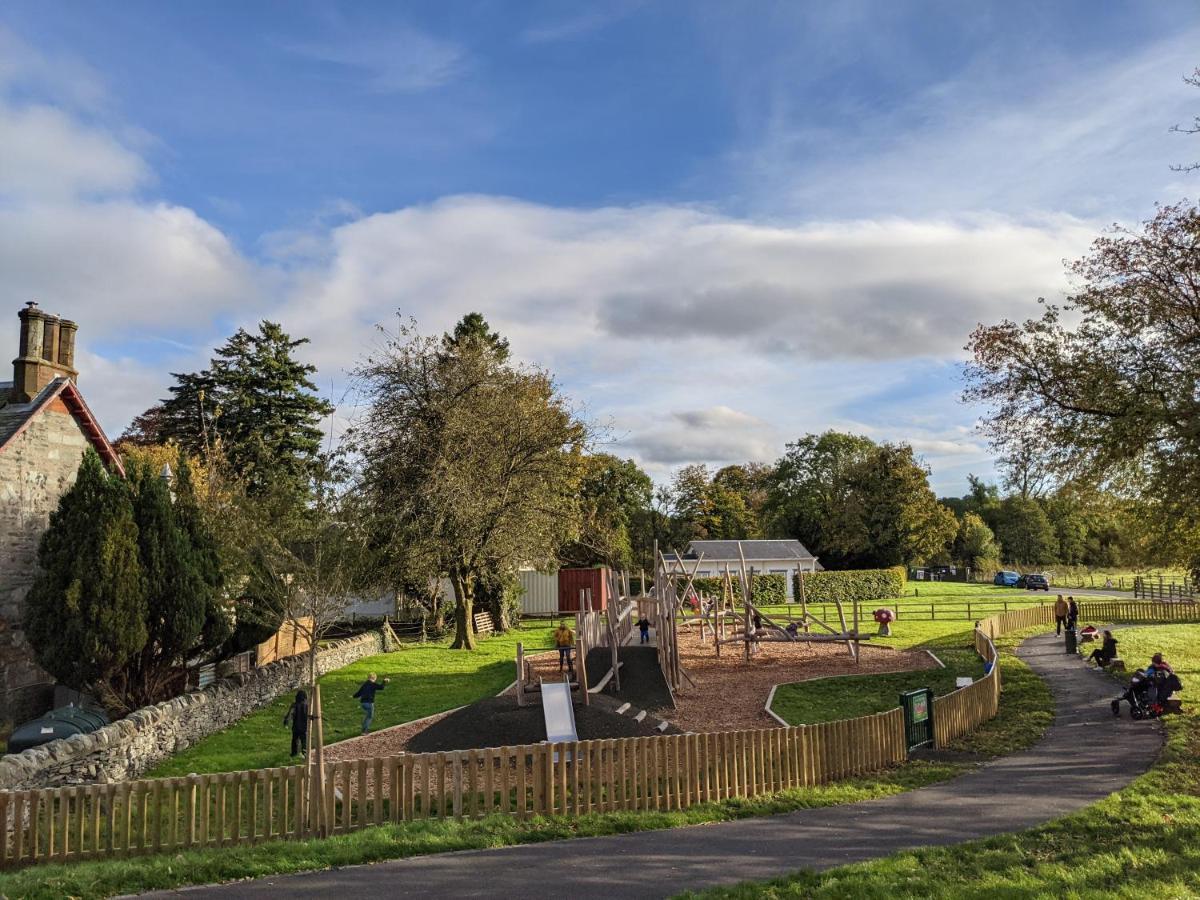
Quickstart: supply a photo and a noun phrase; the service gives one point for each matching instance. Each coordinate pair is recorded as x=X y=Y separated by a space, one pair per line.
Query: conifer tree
x=206 y=556
x=86 y=610
x=177 y=598
x=257 y=400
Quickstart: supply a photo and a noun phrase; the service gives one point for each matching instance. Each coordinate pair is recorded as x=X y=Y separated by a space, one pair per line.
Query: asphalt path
x=1084 y=756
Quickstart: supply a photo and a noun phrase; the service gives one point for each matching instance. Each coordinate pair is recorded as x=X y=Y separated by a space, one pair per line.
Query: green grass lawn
x=426 y=679
x=1025 y=712
x=826 y=699
x=1143 y=841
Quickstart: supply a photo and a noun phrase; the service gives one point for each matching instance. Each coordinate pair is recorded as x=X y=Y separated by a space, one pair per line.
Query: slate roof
x=15 y=417
x=723 y=551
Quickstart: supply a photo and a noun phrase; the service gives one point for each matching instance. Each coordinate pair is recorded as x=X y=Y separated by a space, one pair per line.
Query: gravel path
x=1084 y=756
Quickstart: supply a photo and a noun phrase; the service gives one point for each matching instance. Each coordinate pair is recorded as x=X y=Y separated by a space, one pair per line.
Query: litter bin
x=1072 y=640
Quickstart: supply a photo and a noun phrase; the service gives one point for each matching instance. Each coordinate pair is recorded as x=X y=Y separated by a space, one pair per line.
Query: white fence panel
x=541 y=593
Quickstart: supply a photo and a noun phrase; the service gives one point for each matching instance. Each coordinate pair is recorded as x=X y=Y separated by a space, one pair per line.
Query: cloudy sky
x=722 y=225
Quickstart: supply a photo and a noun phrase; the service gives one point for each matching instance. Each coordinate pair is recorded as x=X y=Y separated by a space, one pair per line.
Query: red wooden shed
x=572 y=581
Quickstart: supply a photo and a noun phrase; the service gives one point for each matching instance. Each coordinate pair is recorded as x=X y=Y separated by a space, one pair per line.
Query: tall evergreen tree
x=177 y=598
x=473 y=330
x=257 y=400
x=206 y=556
x=86 y=610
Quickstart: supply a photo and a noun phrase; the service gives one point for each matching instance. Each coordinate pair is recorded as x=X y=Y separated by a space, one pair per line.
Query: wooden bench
x=484 y=623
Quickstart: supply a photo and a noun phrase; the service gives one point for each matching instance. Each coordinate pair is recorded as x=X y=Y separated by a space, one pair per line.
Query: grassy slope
x=1141 y=842
x=426 y=679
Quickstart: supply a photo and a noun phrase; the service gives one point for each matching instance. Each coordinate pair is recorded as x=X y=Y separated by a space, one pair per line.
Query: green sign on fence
x=918 y=717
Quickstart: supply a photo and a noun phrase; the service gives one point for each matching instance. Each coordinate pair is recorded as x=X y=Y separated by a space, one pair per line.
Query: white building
x=765 y=557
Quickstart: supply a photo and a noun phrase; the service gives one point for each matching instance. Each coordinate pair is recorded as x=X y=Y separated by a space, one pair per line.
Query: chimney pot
x=46 y=351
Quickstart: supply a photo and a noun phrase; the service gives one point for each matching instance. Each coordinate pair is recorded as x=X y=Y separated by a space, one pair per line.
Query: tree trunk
x=316 y=747
x=464 y=611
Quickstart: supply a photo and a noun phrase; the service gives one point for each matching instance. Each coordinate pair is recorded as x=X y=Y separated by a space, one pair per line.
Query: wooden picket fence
x=1102 y=611
x=668 y=772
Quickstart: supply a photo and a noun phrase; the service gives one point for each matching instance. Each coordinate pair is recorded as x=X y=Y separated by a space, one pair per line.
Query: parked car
x=1007 y=579
x=1037 y=582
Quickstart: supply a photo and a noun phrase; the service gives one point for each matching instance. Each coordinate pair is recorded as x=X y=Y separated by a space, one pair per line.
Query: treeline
x=856 y=503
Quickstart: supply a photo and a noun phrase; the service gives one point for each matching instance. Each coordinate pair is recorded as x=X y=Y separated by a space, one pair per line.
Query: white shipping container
x=540 y=597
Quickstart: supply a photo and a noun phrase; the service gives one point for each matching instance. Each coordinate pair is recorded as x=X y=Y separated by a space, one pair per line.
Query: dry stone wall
x=130 y=747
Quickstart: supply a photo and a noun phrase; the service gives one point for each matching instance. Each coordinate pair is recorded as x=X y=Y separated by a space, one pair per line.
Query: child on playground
x=564 y=640
x=644 y=627
x=366 y=695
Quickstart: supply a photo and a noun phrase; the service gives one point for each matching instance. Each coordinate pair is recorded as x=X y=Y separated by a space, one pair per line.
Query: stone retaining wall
x=132 y=746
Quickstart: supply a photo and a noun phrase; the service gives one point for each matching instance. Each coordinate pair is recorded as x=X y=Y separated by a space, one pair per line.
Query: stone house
x=45 y=427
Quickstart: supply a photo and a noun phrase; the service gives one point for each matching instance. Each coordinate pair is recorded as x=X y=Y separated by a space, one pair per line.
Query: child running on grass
x=366 y=695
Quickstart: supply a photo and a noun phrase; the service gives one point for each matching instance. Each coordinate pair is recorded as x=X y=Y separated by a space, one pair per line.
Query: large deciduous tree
x=471 y=463
x=807 y=488
x=1025 y=532
x=889 y=516
x=975 y=545
x=613 y=494
x=1104 y=388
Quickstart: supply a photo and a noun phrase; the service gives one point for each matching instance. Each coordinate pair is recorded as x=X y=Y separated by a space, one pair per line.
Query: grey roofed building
x=775 y=557
x=721 y=551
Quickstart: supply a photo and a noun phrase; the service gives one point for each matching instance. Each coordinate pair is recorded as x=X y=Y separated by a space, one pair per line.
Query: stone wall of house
x=35 y=470
x=132 y=746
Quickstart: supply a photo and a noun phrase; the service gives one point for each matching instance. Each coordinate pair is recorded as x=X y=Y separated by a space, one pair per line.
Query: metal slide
x=558 y=712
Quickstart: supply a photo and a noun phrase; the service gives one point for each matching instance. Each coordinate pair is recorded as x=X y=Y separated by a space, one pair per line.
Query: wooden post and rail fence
x=668 y=772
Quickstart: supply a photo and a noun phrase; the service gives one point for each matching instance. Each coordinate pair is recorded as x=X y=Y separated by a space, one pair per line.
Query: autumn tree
x=1105 y=385
x=889 y=515
x=975 y=545
x=807 y=488
x=613 y=494
x=469 y=458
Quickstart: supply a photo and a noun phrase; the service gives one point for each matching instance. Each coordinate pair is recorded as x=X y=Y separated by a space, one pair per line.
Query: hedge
x=769 y=590
x=863 y=585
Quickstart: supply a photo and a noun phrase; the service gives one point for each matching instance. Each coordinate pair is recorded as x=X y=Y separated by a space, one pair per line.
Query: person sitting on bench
x=1106 y=653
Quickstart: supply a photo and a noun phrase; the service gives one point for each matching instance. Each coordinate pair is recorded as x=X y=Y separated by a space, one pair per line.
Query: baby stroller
x=1148 y=693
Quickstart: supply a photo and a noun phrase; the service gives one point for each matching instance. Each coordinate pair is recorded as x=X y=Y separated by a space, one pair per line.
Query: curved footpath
x=1084 y=756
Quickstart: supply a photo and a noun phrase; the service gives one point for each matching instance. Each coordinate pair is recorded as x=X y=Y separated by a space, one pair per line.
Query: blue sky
x=723 y=225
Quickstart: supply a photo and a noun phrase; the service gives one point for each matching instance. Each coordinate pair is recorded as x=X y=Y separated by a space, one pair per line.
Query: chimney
x=47 y=350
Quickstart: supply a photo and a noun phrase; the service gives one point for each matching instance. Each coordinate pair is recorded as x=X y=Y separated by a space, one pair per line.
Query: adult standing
x=366 y=696
x=1060 y=614
x=1072 y=613
x=297 y=715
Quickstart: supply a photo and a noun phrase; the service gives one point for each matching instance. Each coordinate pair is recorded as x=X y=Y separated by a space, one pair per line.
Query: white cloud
x=121 y=266
x=398 y=60
x=558 y=280
x=1088 y=135
x=576 y=26
x=715 y=435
